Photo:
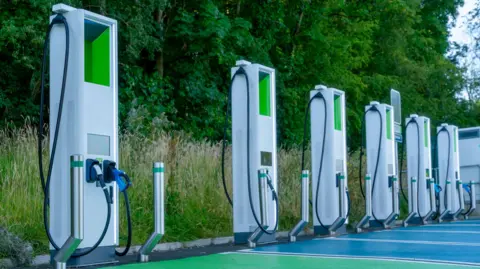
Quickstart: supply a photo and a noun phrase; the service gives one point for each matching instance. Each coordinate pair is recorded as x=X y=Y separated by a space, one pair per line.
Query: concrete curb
x=41 y=259
x=171 y=246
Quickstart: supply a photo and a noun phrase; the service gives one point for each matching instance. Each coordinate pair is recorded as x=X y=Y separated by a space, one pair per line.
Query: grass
x=195 y=203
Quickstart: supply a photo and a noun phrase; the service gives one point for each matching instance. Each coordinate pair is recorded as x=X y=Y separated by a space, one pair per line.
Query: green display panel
x=389 y=124
x=97 y=53
x=337 y=108
x=425 y=133
x=264 y=94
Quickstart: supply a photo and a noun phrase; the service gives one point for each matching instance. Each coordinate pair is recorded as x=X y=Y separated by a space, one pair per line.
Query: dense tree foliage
x=470 y=55
x=175 y=58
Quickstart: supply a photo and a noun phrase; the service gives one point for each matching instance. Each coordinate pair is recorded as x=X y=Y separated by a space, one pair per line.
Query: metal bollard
x=263 y=202
x=396 y=200
x=292 y=235
x=473 y=200
x=461 y=199
x=395 y=204
x=368 y=204
x=447 y=210
x=77 y=179
x=158 y=212
x=341 y=203
x=414 y=191
x=431 y=188
x=263 y=198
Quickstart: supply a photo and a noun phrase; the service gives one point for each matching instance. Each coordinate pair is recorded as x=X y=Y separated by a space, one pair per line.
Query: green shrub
x=11 y=246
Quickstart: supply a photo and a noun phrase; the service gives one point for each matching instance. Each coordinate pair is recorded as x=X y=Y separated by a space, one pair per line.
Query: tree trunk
x=300 y=18
x=239 y=4
x=299 y=23
x=159 y=57
x=103 y=5
x=160 y=63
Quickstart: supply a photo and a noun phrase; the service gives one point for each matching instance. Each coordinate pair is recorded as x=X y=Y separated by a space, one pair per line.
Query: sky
x=460 y=32
x=461 y=35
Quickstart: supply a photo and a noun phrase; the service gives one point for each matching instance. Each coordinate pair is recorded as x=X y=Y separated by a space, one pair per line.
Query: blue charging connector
x=438 y=189
x=117 y=175
x=467 y=188
x=122 y=185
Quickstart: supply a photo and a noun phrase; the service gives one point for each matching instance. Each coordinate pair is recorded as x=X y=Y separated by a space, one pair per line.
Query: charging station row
x=84 y=147
x=255 y=178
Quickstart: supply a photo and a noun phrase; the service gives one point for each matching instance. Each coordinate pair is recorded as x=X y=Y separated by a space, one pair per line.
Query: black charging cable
x=444 y=129
x=129 y=220
x=375 y=109
x=241 y=71
x=59 y=20
x=319 y=96
x=419 y=145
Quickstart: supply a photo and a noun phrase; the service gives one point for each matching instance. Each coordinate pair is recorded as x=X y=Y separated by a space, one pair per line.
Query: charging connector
x=94 y=174
x=94 y=169
x=114 y=174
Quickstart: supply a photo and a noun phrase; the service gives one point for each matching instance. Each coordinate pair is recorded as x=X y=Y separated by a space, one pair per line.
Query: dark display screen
x=265 y=158
x=467 y=134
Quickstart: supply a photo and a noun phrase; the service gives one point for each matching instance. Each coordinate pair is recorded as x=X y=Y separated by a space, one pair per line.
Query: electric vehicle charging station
x=84 y=123
x=381 y=163
x=329 y=160
x=91 y=93
x=421 y=196
x=254 y=153
x=451 y=198
x=469 y=151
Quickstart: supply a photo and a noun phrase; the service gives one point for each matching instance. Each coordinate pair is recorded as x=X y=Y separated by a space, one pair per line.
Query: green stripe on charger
x=158 y=169
x=76 y=164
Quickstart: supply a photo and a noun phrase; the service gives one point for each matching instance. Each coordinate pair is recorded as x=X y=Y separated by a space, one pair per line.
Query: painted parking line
x=436 y=231
x=466 y=221
x=442 y=227
x=253 y=252
x=444 y=243
x=370 y=258
x=455 y=225
x=280 y=261
x=434 y=251
x=419 y=236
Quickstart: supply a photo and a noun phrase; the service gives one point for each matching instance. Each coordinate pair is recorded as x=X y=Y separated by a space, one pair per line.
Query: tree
x=175 y=58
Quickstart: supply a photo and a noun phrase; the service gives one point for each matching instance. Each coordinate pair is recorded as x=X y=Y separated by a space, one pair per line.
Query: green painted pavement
x=247 y=261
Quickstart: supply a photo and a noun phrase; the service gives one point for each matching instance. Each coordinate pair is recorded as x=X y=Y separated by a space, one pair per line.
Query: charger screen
x=266 y=158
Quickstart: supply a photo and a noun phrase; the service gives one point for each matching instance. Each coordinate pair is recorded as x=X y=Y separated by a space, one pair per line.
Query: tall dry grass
x=195 y=203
